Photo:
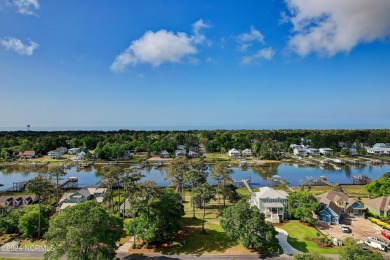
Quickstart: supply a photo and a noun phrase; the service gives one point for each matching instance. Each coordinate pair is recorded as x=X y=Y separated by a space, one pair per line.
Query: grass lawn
x=216 y=157
x=353 y=191
x=214 y=241
x=296 y=234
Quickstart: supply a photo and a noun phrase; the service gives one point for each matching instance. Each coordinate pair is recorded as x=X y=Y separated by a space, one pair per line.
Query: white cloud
x=11 y=43
x=327 y=27
x=265 y=53
x=161 y=47
x=246 y=39
x=26 y=7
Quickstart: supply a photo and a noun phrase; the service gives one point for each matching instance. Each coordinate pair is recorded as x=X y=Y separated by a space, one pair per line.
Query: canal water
x=260 y=176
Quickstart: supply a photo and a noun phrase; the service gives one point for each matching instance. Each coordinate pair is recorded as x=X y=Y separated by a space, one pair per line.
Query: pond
x=260 y=176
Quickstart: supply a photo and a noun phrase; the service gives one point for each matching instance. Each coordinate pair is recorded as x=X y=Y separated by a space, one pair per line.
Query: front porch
x=274 y=212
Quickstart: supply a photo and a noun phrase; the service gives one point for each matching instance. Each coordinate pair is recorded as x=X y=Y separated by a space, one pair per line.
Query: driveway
x=361 y=229
x=282 y=237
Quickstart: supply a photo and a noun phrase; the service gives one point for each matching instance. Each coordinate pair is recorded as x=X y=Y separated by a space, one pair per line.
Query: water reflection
x=261 y=175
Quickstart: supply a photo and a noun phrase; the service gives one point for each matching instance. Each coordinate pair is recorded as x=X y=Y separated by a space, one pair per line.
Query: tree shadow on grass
x=297 y=244
x=198 y=243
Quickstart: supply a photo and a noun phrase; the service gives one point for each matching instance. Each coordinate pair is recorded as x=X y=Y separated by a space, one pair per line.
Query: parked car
x=376 y=244
x=345 y=229
x=379 y=240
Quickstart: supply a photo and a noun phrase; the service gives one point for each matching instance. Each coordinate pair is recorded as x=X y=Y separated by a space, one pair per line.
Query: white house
x=180 y=153
x=378 y=151
x=234 y=153
x=299 y=151
x=326 y=151
x=293 y=146
x=80 y=156
x=313 y=152
x=272 y=203
x=55 y=154
x=74 y=150
x=247 y=153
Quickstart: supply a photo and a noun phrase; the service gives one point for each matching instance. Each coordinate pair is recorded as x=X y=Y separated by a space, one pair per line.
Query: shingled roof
x=381 y=203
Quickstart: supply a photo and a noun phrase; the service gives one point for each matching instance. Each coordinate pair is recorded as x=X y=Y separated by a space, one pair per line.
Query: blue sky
x=233 y=64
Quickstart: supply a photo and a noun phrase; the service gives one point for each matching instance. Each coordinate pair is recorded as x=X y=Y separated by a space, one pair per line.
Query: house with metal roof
x=379 y=206
x=272 y=203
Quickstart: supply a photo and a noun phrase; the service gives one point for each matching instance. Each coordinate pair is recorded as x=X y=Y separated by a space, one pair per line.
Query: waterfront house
x=299 y=151
x=234 y=154
x=82 y=195
x=379 y=206
x=164 y=154
x=272 y=203
x=55 y=154
x=28 y=154
x=80 y=156
x=378 y=150
x=246 y=153
x=313 y=152
x=326 y=151
x=74 y=150
x=180 y=153
x=335 y=206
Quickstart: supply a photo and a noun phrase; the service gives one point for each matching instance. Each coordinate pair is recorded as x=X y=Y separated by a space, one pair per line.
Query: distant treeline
x=112 y=144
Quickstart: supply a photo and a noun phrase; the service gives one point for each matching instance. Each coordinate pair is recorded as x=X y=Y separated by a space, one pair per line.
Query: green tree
x=176 y=171
x=203 y=194
x=302 y=205
x=242 y=222
x=9 y=223
x=84 y=231
x=162 y=221
x=381 y=186
x=222 y=173
x=41 y=187
x=195 y=177
x=357 y=253
x=29 y=221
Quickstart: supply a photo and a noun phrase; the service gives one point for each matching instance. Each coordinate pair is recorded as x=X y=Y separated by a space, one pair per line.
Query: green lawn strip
x=296 y=234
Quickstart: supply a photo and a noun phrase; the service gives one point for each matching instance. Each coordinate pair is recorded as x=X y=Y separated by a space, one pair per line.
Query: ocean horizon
x=176 y=128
